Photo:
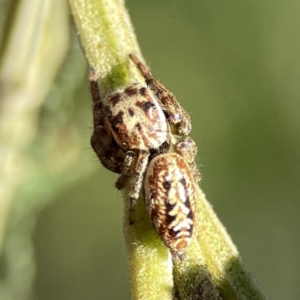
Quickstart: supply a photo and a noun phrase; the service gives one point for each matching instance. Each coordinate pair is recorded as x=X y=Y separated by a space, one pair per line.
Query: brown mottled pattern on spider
x=169 y=192
x=135 y=122
x=130 y=121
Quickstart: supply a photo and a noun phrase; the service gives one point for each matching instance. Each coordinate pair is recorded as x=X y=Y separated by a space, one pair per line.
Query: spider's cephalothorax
x=134 y=122
x=170 y=197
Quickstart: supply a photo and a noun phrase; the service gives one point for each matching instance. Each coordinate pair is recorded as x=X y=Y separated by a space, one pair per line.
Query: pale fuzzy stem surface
x=107 y=37
x=150 y=263
x=213 y=268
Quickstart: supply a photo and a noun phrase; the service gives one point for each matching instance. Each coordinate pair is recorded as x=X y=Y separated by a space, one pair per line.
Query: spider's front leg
x=138 y=176
x=127 y=169
x=98 y=113
x=106 y=149
x=102 y=141
x=135 y=165
x=176 y=115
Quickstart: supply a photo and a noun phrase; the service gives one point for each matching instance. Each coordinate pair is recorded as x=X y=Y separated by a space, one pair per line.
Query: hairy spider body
x=169 y=193
x=136 y=123
x=136 y=120
x=131 y=121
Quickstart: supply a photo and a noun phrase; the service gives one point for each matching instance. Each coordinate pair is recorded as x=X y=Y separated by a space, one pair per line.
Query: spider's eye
x=148 y=105
x=143 y=91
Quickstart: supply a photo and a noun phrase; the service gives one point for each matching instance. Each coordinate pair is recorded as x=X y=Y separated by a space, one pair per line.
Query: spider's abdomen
x=169 y=192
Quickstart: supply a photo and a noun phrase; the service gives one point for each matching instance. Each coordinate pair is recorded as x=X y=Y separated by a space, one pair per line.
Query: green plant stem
x=107 y=37
x=213 y=268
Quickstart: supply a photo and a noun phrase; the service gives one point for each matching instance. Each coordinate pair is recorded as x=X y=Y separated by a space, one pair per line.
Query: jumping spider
x=134 y=124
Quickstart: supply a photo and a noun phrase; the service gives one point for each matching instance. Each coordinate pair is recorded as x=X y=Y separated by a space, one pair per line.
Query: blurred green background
x=235 y=67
